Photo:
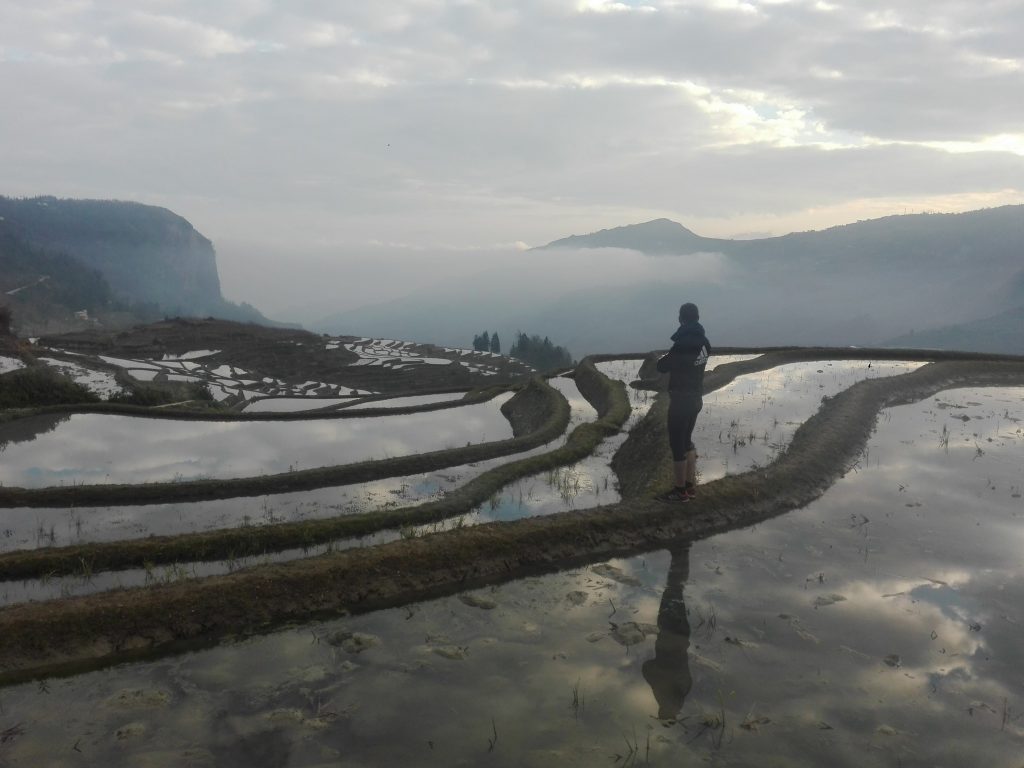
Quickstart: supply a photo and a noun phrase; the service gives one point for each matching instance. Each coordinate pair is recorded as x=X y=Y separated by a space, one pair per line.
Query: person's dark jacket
x=686 y=361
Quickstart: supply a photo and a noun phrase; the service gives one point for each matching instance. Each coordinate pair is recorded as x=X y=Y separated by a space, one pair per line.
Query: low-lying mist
x=603 y=299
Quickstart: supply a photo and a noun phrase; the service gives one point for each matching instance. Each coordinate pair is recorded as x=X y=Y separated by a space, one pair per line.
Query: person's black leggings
x=682 y=417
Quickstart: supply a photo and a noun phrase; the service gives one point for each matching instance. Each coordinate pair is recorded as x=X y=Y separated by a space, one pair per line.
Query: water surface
x=101 y=448
x=879 y=626
x=30 y=528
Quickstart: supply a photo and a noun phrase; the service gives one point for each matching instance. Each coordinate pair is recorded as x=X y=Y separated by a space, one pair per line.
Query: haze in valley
x=341 y=156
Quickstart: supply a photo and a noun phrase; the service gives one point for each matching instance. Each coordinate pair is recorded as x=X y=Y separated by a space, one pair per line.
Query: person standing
x=685 y=364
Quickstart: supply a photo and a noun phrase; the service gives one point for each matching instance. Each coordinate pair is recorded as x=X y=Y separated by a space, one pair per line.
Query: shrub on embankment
x=40 y=385
x=148 y=395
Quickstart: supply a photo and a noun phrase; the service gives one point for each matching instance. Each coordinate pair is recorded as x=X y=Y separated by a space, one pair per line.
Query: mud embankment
x=101 y=628
x=528 y=409
x=608 y=397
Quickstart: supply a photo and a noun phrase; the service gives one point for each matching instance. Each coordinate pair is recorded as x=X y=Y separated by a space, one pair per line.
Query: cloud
x=460 y=124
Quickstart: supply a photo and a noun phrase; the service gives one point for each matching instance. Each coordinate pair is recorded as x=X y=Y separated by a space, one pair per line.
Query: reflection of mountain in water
x=27 y=429
x=668 y=673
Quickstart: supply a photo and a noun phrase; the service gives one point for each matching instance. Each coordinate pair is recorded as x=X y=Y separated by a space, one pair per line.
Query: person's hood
x=689 y=329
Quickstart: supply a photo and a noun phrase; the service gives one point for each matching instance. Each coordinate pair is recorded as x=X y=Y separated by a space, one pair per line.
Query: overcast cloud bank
x=316 y=132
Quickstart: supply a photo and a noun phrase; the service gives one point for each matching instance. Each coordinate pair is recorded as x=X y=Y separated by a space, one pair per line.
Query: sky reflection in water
x=747 y=423
x=585 y=484
x=26 y=528
x=95 y=448
x=878 y=626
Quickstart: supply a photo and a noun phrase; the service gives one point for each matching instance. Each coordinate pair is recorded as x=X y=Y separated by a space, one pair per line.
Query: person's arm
x=679 y=357
x=665 y=363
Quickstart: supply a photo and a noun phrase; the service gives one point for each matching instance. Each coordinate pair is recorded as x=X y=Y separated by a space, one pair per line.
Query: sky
x=339 y=153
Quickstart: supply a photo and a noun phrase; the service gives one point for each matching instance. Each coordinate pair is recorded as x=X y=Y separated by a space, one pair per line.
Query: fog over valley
x=338 y=157
x=863 y=284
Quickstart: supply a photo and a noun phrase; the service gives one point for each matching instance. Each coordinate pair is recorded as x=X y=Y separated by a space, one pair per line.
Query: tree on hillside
x=540 y=353
x=482 y=343
x=495 y=344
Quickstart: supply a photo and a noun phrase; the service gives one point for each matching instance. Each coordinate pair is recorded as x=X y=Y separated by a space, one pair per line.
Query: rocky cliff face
x=146 y=254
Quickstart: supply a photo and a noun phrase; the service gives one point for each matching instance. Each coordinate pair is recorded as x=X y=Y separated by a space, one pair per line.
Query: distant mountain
x=44 y=290
x=863 y=284
x=1000 y=333
x=658 y=237
x=993 y=235
x=149 y=257
x=31 y=271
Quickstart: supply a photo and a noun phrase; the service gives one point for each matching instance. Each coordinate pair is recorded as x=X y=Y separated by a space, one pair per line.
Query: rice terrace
x=327 y=550
x=551 y=384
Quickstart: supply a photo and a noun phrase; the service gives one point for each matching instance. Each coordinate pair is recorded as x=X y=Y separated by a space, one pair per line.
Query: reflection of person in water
x=668 y=673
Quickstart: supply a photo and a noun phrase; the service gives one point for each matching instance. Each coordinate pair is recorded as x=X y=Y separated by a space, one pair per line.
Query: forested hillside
x=44 y=289
x=148 y=257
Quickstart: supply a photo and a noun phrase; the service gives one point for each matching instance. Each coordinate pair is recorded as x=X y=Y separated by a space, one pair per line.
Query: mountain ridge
x=657 y=236
x=151 y=258
x=862 y=283
x=664 y=236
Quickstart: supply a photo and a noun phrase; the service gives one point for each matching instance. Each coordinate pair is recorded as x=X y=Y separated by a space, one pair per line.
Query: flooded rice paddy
x=743 y=425
x=8 y=364
x=587 y=483
x=395 y=355
x=101 y=448
x=238 y=386
x=747 y=423
x=879 y=626
x=31 y=528
x=224 y=380
x=101 y=383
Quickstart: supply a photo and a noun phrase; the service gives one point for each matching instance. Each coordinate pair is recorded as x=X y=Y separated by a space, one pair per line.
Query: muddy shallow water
x=100 y=448
x=879 y=626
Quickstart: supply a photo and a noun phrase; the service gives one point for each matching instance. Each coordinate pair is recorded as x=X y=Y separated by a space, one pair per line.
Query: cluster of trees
x=40 y=385
x=532 y=350
x=540 y=353
x=487 y=342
